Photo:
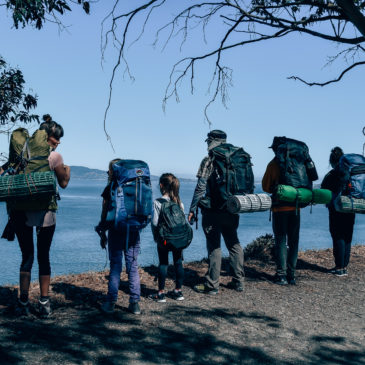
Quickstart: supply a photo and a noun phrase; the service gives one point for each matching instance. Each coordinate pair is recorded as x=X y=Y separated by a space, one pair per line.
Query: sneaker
x=177 y=295
x=291 y=281
x=203 y=288
x=107 y=307
x=235 y=285
x=340 y=272
x=134 y=308
x=44 y=309
x=22 y=309
x=158 y=297
x=333 y=270
x=280 y=280
x=345 y=272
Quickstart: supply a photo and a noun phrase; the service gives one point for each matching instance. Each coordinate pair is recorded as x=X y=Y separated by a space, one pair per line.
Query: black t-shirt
x=332 y=182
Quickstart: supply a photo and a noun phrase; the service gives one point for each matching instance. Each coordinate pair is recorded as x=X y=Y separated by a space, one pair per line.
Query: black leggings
x=163 y=255
x=25 y=239
x=341 y=229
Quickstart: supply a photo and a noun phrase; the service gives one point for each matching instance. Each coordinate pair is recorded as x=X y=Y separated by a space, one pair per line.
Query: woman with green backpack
x=39 y=213
x=172 y=233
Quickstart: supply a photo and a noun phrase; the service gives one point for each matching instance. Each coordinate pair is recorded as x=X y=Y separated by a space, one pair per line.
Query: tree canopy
x=15 y=103
x=240 y=23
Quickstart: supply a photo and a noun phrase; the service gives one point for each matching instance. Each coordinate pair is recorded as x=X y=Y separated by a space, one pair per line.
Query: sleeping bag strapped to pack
x=29 y=181
x=351 y=169
x=172 y=227
x=232 y=175
x=130 y=204
x=296 y=166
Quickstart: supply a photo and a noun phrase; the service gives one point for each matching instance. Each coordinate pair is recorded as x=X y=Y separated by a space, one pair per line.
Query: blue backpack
x=130 y=196
x=352 y=172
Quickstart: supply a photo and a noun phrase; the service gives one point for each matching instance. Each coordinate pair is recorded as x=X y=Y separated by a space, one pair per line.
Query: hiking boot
x=107 y=307
x=280 y=280
x=44 y=308
x=134 y=308
x=204 y=289
x=235 y=285
x=158 y=297
x=22 y=309
x=177 y=295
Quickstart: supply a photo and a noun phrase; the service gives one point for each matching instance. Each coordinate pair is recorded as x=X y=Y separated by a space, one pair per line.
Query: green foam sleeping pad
x=322 y=196
x=27 y=186
x=289 y=194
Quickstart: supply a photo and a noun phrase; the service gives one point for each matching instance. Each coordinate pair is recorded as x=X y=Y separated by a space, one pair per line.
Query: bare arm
x=63 y=173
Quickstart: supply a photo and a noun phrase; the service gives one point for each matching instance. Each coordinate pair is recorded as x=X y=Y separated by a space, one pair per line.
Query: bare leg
x=44 y=281
x=24 y=280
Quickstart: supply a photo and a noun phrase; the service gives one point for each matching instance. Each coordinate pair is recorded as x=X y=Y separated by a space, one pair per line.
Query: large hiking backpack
x=351 y=170
x=296 y=166
x=130 y=204
x=28 y=183
x=172 y=227
x=232 y=175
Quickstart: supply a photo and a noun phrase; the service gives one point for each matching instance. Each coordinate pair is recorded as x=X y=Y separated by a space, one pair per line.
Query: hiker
x=299 y=171
x=122 y=239
x=341 y=225
x=172 y=233
x=210 y=195
x=41 y=217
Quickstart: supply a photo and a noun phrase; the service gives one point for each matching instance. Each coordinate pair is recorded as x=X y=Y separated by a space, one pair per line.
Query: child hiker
x=171 y=233
x=118 y=246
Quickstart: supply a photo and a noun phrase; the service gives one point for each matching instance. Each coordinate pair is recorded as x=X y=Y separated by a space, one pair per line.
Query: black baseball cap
x=216 y=134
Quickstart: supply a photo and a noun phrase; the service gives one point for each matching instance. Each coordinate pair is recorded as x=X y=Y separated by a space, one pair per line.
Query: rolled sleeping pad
x=290 y=194
x=322 y=196
x=346 y=204
x=248 y=203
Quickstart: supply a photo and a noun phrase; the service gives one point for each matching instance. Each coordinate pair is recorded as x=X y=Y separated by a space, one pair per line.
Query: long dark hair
x=170 y=185
x=336 y=154
x=52 y=128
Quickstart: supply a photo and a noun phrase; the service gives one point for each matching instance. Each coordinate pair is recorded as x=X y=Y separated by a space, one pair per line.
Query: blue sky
x=64 y=70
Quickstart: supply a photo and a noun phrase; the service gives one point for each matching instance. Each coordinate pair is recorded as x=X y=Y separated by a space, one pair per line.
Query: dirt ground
x=321 y=320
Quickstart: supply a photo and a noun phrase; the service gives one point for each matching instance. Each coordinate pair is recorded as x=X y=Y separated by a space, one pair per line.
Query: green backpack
x=29 y=172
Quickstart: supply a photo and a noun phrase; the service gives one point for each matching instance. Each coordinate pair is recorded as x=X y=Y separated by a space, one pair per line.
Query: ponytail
x=170 y=185
x=336 y=154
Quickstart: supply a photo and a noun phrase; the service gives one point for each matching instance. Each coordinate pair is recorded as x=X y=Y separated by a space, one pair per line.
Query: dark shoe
x=280 y=280
x=107 y=307
x=345 y=272
x=22 y=309
x=204 y=289
x=44 y=309
x=134 y=308
x=291 y=281
x=340 y=272
x=177 y=295
x=235 y=285
x=158 y=297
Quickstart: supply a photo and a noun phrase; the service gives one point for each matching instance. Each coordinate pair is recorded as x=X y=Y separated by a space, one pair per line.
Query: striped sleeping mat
x=345 y=204
x=248 y=203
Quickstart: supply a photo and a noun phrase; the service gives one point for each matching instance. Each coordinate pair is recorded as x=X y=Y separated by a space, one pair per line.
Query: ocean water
x=76 y=249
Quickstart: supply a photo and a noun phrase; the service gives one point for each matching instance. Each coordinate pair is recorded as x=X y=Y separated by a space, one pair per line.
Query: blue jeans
x=117 y=247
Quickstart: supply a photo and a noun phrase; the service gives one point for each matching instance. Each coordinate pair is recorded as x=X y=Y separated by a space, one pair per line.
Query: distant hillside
x=81 y=172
